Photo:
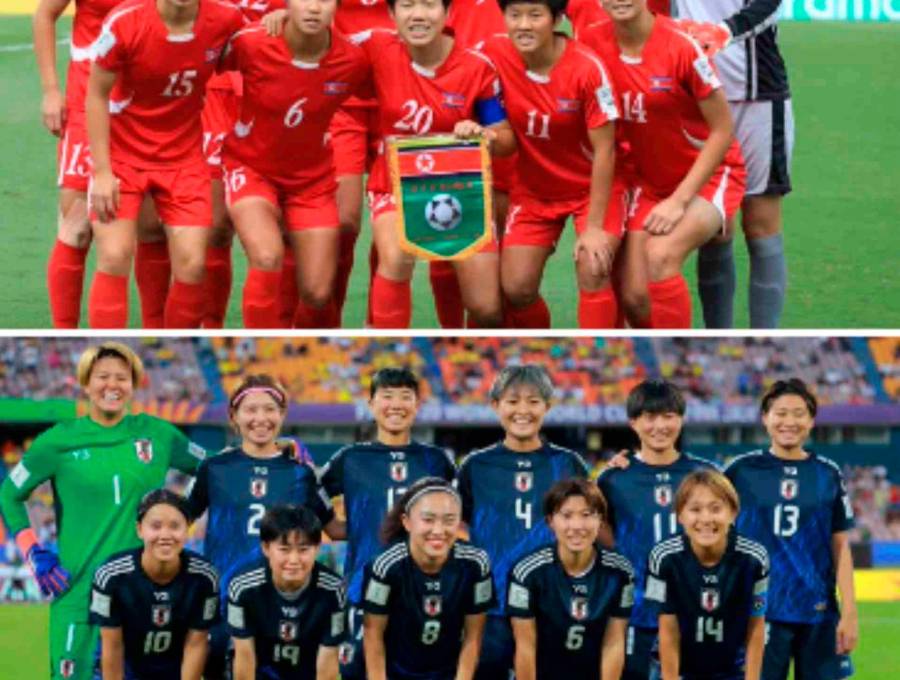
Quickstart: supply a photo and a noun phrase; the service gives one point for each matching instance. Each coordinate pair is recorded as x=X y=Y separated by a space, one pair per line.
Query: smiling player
x=502 y=488
x=426 y=594
x=640 y=498
x=710 y=587
x=109 y=456
x=155 y=604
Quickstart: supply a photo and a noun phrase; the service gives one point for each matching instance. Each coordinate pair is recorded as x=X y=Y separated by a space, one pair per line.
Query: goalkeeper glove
x=50 y=575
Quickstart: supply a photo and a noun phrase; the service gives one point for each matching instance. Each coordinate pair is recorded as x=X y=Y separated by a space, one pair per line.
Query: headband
x=271 y=391
x=431 y=488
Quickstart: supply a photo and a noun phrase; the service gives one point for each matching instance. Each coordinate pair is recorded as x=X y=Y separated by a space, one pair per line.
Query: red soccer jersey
x=253 y=10
x=416 y=101
x=89 y=15
x=474 y=21
x=156 y=102
x=551 y=115
x=583 y=13
x=288 y=104
x=356 y=16
x=659 y=94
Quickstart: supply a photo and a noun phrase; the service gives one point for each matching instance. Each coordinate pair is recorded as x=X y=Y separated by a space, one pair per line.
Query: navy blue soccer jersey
x=571 y=612
x=287 y=630
x=641 y=500
x=793 y=507
x=155 y=619
x=426 y=612
x=371 y=477
x=713 y=605
x=238 y=489
x=503 y=492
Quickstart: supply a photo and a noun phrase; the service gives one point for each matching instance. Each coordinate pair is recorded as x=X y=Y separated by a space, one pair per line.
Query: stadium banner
x=434 y=412
x=442 y=187
x=841 y=10
x=877 y=585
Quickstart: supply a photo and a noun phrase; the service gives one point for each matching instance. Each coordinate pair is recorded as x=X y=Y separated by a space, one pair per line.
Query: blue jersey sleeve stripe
x=490 y=111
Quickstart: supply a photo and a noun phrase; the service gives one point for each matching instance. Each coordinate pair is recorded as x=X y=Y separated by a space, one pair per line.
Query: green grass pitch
x=841 y=231
x=23 y=653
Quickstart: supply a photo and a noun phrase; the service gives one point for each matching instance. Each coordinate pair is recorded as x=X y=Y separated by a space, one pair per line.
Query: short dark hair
x=391 y=3
x=163 y=497
x=574 y=486
x=394 y=377
x=281 y=520
x=790 y=386
x=654 y=396
x=556 y=7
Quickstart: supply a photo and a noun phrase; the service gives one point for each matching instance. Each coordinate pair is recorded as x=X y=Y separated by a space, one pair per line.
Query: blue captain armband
x=489 y=111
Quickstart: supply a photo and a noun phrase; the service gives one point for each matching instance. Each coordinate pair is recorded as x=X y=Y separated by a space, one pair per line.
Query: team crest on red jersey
x=663 y=495
x=161 y=614
x=567 y=105
x=579 y=608
x=432 y=605
x=287 y=630
x=336 y=87
x=524 y=481
x=399 y=471
x=258 y=487
x=454 y=100
x=709 y=599
x=789 y=489
x=67 y=668
x=143 y=449
x=661 y=83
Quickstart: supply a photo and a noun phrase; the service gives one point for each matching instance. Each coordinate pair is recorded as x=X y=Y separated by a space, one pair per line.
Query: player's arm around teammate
x=569 y=601
x=144 y=101
x=561 y=106
x=155 y=604
x=426 y=594
x=286 y=613
x=710 y=586
x=426 y=83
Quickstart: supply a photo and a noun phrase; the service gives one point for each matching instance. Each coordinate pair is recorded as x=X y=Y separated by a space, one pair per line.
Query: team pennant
x=442 y=186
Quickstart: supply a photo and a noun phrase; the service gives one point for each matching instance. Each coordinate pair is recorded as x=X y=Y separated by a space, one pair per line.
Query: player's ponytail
x=392 y=528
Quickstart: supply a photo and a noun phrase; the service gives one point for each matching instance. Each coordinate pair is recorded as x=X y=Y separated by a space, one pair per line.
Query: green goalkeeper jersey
x=99 y=475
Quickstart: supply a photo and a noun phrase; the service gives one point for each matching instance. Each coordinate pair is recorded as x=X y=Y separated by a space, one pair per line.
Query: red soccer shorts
x=354 y=138
x=531 y=222
x=183 y=196
x=303 y=206
x=503 y=171
x=724 y=190
x=220 y=111
x=382 y=204
x=73 y=157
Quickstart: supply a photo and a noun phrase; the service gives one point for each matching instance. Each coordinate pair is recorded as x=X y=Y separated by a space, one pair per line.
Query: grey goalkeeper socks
x=716 y=284
x=768 y=281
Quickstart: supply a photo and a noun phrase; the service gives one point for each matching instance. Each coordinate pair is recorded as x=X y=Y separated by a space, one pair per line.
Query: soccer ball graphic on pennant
x=443 y=212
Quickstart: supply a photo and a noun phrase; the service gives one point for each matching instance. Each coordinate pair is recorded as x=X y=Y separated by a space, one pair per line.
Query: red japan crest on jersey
x=579 y=608
x=789 y=489
x=524 y=481
x=432 y=605
x=67 y=668
x=287 y=630
x=345 y=653
x=258 y=487
x=161 y=614
x=663 y=495
x=399 y=471
x=709 y=599
x=143 y=449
